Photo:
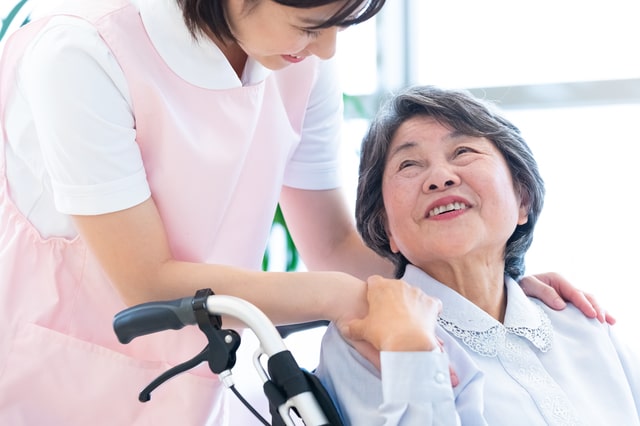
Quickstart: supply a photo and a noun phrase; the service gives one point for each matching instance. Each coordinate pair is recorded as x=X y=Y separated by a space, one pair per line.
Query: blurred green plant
x=6 y=21
x=292 y=258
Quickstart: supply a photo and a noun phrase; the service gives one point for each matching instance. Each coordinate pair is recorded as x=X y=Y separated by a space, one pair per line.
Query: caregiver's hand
x=554 y=290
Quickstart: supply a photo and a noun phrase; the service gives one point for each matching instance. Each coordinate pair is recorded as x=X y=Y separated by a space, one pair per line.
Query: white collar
x=477 y=329
x=200 y=62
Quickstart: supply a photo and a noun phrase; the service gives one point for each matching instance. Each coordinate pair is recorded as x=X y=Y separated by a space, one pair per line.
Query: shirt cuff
x=415 y=376
x=102 y=198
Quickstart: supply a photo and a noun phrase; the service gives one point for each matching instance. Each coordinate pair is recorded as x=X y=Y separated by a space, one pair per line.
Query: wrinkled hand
x=400 y=318
x=555 y=291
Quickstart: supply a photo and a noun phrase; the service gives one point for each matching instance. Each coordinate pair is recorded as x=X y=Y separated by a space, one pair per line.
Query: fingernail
x=455 y=381
x=559 y=303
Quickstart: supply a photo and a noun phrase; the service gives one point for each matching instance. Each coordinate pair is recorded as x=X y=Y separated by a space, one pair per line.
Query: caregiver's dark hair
x=201 y=14
x=458 y=111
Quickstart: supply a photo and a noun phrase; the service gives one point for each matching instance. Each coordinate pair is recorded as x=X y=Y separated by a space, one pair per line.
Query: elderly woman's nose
x=439 y=179
x=433 y=186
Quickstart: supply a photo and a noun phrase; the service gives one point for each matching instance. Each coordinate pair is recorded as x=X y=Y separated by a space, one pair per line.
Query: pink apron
x=215 y=161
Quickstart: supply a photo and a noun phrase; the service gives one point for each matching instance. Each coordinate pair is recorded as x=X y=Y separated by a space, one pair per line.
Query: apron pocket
x=54 y=379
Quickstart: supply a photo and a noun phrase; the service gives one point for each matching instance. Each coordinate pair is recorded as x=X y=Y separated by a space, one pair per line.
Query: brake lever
x=219 y=353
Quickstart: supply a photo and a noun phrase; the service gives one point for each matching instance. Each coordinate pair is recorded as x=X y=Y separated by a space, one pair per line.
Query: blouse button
x=440 y=377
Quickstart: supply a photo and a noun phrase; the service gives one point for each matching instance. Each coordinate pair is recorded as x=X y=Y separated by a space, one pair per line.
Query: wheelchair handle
x=152 y=317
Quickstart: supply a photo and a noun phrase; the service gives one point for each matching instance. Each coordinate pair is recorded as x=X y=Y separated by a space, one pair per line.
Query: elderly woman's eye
x=406 y=163
x=463 y=150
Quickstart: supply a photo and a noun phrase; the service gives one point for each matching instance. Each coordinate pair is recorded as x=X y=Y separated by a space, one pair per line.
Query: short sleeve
x=82 y=113
x=316 y=162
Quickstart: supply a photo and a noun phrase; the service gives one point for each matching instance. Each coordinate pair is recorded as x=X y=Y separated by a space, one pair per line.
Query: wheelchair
x=294 y=395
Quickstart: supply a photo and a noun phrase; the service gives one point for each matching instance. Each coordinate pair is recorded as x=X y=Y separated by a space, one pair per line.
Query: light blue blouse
x=541 y=367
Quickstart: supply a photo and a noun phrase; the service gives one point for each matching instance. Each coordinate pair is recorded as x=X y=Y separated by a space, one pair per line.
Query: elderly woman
x=450 y=192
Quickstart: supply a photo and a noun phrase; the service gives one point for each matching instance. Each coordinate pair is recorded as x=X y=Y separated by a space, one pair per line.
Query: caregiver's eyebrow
x=311 y=21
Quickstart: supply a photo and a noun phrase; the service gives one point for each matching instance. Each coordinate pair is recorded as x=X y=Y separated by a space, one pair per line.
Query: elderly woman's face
x=448 y=197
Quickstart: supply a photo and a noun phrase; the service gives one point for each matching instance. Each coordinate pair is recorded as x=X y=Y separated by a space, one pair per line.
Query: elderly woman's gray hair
x=464 y=113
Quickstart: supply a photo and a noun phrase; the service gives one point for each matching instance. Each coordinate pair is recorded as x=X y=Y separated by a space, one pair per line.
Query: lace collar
x=475 y=328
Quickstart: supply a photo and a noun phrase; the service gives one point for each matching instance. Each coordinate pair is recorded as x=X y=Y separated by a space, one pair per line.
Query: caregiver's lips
x=294 y=59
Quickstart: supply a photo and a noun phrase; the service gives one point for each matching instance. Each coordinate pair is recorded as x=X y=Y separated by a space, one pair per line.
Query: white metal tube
x=253 y=317
x=271 y=343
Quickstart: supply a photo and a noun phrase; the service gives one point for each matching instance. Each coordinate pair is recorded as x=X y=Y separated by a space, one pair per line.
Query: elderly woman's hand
x=400 y=317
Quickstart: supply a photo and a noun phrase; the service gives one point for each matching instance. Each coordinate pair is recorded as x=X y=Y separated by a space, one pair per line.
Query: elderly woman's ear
x=525 y=205
x=523 y=216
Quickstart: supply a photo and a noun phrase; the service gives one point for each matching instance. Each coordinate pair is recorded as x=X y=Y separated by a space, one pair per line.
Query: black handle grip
x=286 y=330
x=152 y=317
